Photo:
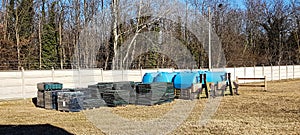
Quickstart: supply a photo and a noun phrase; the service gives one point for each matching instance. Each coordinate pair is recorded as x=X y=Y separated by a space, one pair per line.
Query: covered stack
x=92 y=98
x=47 y=94
x=116 y=97
x=122 y=93
x=70 y=101
x=51 y=99
x=154 y=93
x=101 y=87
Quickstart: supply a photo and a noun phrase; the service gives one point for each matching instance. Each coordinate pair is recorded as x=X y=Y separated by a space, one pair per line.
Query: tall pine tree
x=50 y=41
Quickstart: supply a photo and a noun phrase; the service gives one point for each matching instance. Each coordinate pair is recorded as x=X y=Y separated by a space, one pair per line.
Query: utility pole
x=209 y=40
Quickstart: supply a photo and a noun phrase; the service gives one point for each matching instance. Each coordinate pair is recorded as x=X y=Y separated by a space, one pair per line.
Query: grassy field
x=276 y=111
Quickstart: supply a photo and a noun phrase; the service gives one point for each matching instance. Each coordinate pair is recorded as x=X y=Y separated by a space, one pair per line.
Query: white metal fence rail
x=22 y=84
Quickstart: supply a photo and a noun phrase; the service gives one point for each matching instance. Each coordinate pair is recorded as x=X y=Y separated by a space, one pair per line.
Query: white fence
x=22 y=84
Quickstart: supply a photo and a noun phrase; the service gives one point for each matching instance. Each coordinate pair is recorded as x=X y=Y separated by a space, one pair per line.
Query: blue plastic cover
x=185 y=80
x=215 y=77
x=165 y=77
x=149 y=77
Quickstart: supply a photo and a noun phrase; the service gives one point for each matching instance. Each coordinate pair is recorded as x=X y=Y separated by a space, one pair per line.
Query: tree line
x=41 y=34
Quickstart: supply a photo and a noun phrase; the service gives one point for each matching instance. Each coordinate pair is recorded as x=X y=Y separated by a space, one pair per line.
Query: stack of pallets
x=116 y=97
x=101 y=87
x=122 y=93
x=154 y=93
x=70 y=101
x=40 y=99
x=47 y=94
x=51 y=99
x=91 y=98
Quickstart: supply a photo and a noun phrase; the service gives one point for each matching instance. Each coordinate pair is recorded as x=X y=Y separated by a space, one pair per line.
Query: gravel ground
x=276 y=111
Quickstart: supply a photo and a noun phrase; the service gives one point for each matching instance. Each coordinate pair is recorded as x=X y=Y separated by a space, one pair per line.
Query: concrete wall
x=22 y=84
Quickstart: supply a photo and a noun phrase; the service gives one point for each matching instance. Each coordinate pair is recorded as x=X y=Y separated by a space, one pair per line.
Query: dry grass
x=135 y=112
x=276 y=111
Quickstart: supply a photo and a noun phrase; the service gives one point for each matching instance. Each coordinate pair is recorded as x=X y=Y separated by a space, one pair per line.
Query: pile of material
x=70 y=101
x=47 y=94
x=92 y=98
x=50 y=98
x=101 y=87
x=116 y=97
x=154 y=93
x=122 y=93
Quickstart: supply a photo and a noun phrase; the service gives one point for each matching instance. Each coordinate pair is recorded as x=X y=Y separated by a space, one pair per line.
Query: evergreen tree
x=49 y=41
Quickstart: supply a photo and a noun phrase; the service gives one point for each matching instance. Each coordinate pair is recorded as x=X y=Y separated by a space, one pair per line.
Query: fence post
x=122 y=74
x=141 y=73
x=245 y=70
x=286 y=71
x=279 y=72
x=23 y=82
x=266 y=88
x=263 y=70
x=79 y=77
x=234 y=71
x=271 y=72
x=52 y=73
x=254 y=71
x=101 y=69
x=293 y=71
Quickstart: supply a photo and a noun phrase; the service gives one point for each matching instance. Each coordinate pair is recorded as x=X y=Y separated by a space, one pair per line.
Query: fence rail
x=22 y=84
x=253 y=85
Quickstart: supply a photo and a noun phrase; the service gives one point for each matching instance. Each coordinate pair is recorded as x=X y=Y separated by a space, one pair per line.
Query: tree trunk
x=4 y=3
x=60 y=43
x=17 y=37
x=40 y=44
x=115 y=6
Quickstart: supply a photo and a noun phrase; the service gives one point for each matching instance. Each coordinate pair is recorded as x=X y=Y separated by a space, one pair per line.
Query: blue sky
x=238 y=3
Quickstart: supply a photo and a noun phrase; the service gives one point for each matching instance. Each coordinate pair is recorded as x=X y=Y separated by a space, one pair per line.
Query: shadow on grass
x=34 y=101
x=40 y=129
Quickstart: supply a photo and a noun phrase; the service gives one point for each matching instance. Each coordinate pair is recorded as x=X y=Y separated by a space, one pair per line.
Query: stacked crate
x=101 y=87
x=116 y=97
x=122 y=93
x=40 y=99
x=50 y=98
x=92 y=98
x=46 y=94
x=154 y=93
x=70 y=101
